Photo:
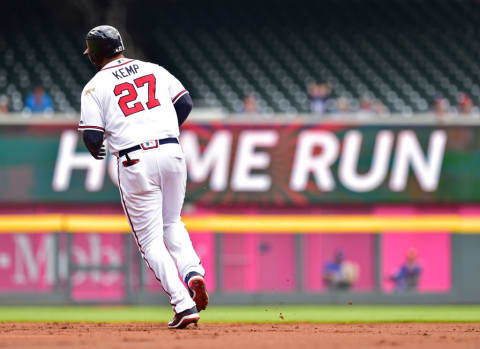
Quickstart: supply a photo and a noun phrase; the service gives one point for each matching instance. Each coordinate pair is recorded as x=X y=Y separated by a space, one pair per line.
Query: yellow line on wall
x=97 y=223
x=334 y=224
x=31 y=223
x=266 y=224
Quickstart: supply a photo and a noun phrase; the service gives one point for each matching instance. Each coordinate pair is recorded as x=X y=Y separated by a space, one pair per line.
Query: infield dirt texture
x=243 y=327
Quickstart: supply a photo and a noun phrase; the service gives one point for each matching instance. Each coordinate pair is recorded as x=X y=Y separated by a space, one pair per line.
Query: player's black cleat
x=197 y=289
x=185 y=318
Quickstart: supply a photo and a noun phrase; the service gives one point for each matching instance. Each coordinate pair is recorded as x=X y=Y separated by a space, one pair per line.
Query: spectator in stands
x=366 y=106
x=465 y=105
x=318 y=96
x=4 y=108
x=407 y=277
x=39 y=101
x=343 y=106
x=250 y=105
x=340 y=274
x=371 y=107
x=441 y=107
x=379 y=108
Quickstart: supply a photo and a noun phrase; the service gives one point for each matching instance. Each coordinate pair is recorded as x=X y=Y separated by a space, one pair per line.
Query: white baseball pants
x=153 y=191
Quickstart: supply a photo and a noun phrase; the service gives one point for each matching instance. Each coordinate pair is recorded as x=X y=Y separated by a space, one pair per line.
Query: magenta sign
x=27 y=262
x=250 y=263
x=258 y=263
x=94 y=250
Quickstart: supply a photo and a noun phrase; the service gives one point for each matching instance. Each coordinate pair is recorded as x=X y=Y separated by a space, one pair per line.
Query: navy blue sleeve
x=183 y=107
x=94 y=142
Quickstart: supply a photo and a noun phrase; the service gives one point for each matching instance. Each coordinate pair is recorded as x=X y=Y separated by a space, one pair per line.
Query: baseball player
x=138 y=108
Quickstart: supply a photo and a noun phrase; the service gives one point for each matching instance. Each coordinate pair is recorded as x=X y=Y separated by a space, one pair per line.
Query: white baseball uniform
x=133 y=103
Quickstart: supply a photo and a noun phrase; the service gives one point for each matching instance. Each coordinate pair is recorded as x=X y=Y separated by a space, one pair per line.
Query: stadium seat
x=404 y=53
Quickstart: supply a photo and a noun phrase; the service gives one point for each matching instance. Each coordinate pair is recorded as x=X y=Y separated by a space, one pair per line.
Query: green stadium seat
x=402 y=52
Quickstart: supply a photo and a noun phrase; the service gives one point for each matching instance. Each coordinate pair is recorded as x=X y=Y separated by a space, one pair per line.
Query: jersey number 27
x=132 y=94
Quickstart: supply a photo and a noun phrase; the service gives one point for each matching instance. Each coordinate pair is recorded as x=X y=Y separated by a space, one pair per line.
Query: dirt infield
x=245 y=336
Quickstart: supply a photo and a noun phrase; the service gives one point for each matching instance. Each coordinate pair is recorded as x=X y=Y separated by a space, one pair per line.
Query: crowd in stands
x=464 y=106
x=321 y=99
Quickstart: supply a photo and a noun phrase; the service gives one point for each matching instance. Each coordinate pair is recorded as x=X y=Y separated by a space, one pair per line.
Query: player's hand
x=100 y=155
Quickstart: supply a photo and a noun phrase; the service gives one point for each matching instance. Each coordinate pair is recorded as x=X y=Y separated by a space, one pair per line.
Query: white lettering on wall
x=93 y=255
x=315 y=156
x=28 y=263
x=215 y=158
x=347 y=170
x=425 y=167
x=248 y=159
x=306 y=162
x=69 y=160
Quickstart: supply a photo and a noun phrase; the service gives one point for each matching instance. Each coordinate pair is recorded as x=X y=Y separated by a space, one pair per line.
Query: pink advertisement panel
x=93 y=250
x=339 y=261
x=204 y=244
x=27 y=262
x=258 y=263
x=416 y=262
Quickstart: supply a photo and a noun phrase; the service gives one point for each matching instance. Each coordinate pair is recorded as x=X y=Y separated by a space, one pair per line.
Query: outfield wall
x=72 y=262
x=268 y=205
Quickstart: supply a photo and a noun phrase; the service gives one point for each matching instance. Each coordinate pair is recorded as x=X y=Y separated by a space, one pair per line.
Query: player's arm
x=183 y=107
x=91 y=123
x=94 y=142
x=180 y=97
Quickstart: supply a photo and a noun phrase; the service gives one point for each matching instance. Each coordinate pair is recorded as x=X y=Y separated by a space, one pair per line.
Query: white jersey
x=132 y=102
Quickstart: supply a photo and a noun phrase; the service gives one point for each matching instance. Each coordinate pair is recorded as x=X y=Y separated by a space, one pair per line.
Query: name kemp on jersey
x=126 y=71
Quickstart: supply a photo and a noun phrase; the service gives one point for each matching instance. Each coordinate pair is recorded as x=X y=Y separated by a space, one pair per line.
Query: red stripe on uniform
x=177 y=96
x=118 y=65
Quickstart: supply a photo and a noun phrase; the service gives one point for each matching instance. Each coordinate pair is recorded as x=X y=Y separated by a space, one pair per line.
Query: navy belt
x=138 y=147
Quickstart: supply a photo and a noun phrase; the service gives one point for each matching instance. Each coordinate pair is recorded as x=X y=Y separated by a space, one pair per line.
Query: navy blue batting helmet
x=102 y=42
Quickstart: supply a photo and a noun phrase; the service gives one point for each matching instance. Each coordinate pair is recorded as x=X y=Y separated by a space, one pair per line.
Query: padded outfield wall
x=268 y=205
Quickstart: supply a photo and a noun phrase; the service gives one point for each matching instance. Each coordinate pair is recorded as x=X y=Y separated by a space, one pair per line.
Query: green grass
x=264 y=314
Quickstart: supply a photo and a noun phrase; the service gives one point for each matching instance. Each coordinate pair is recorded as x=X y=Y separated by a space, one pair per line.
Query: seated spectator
x=340 y=274
x=379 y=108
x=465 y=105
x=250 y=105
x=343 y=106
x=407 y=277
x=371 y=107
x=318 y=96
x=366 y=105
x=39 y=101
x=441 y=107
x=4 y=108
